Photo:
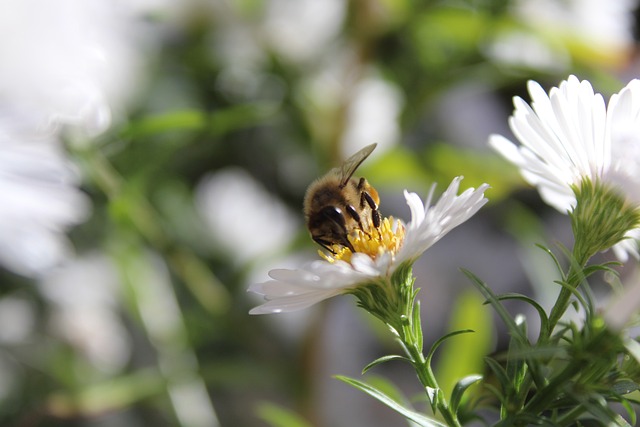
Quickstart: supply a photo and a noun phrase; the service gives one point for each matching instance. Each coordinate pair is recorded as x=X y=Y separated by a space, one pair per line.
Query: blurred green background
x=196 y=192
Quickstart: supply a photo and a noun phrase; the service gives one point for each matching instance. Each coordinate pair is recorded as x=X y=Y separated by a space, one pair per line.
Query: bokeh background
x=154 y=155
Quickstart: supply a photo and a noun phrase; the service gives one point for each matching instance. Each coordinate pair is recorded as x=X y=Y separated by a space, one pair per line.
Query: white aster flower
x=376 y=256
x=570 y=136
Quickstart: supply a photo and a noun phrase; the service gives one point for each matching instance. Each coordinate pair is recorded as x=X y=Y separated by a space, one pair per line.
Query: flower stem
x=428 y=380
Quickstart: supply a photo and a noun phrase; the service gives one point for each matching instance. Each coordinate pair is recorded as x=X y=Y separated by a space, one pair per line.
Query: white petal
x=365 y=265
x=293 y=303
x=416 y=207
x=436 y=221
x=313 y=282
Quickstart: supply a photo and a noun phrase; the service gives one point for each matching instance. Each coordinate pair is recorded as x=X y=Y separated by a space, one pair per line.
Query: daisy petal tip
x=256 y=311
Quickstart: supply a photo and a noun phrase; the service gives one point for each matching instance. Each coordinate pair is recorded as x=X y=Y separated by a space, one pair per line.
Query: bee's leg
x=375 y=213
x=366 y=199
x=353 y=213
x=324 y=244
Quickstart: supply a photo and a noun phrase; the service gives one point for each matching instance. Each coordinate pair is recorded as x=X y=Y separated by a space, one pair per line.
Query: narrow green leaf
x=627 y=405
x=218 y=122
x=500 y=373
x=277 y=416
x=554 y=258
x=605 y=268
x=239 y=116
x=459 y=389
x=544 y=319
x=384 y=359
x=164 y=122
x=516 y=368
x=497 y=393
x=385 y=386
x=455 y=361
x=419 y=419
x=601 y=412
x=514 y=330
x=625 y=387
x=417 y=324
x=575 y=293
x=442 y=339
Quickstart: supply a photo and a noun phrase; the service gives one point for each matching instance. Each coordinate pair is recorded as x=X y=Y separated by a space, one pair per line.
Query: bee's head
x=328 y=227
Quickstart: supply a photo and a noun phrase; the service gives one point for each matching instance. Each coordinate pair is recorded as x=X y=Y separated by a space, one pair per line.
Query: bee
x=336 y=204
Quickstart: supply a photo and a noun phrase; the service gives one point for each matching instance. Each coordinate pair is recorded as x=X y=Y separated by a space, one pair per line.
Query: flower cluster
x=583 y=157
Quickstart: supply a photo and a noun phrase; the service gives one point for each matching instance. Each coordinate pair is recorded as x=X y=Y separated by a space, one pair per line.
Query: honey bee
x=336 y=204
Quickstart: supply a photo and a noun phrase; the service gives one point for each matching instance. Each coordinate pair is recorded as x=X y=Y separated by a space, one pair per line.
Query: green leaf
x=627 y=405
x=384 y=359
x=442 y=339
x=544 y=319
x=576 y=293
x=553 y=256
x=500 y=373
x=459 y=389
x=596 y=406
x=417 y=324
x=385 y=386
x=625 y=387
x=277 y=416
x=419 y=419
x=219 y=122
x=514 y=330
x=497 y=393
x=455 y=361
x=164 y=122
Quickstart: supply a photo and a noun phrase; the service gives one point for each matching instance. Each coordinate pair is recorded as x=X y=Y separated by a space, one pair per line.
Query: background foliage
x=196 y=192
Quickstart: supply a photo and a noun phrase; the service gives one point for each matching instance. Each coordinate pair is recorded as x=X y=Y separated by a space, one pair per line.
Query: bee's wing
x=351 y=164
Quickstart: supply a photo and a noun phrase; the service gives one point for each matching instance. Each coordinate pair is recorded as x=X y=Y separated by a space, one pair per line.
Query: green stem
x=393 y=301
x=598 y=345
x=428 y=379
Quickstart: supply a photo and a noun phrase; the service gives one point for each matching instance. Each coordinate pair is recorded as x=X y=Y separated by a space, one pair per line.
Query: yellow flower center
x=387 y=238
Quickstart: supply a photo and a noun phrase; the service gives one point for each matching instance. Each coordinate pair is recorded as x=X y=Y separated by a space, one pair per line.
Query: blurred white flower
x=375 y=257
x=373 y=115
x=40 y=199
x=570 y=135
x=84 y=294
x=602 y=24
x=67 y=62
x=622 y=308
x=17 y=320
x=300 y=29
x=518 y=48
x=242 y=216
x=550 y=28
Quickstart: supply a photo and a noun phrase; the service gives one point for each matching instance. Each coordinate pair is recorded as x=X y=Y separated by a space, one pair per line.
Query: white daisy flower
x=376 y=256
x=570 y=136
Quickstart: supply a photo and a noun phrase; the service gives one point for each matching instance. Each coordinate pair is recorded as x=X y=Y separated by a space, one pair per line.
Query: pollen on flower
x=388 y=238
